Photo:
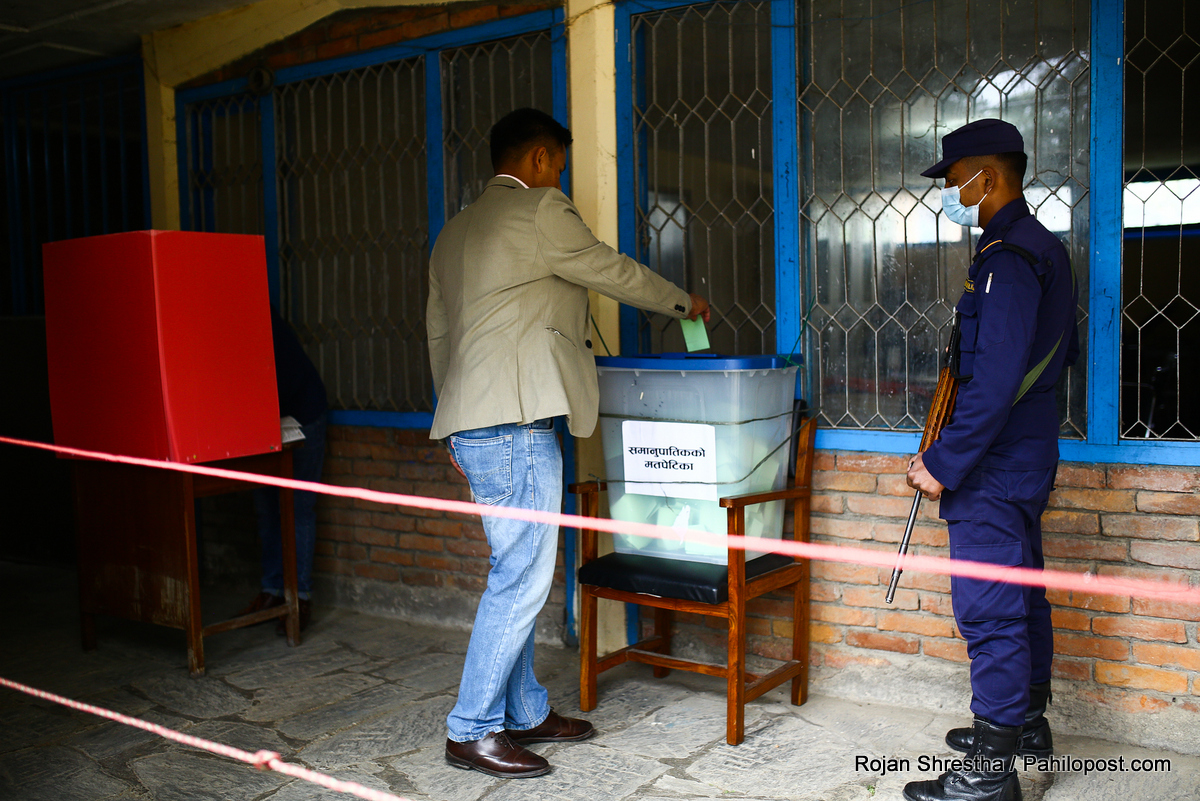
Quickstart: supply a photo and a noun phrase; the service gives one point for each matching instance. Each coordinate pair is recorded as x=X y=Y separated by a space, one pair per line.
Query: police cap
x=985 y=137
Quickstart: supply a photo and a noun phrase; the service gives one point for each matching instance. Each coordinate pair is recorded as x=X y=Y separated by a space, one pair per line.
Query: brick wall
x=418 y=564
x=1116 y=520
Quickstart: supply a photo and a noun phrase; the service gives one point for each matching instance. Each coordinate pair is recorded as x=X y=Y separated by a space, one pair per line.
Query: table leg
x=193 y=625
x=287 y=530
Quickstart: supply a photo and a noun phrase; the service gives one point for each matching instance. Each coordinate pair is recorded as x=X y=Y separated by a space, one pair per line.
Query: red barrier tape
x=262 y=760
x=1052 y=579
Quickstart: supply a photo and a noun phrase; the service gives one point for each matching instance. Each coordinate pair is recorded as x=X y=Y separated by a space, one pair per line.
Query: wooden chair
x=669 y=585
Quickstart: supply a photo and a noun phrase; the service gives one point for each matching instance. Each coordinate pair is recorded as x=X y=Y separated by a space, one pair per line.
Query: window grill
x=1160 y=336
x=354 y=231
x=223 y=151
x=703 y=180
x=880 y=82
x=480 y=84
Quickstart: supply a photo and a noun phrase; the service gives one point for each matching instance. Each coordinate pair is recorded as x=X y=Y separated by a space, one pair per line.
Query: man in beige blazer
x=508 y=342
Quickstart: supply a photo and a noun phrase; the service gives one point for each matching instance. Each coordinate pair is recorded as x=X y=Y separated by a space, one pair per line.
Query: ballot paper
x=289 y=429
x=695 y=335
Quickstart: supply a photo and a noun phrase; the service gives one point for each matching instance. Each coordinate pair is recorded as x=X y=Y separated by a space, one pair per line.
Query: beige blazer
x=508 y=310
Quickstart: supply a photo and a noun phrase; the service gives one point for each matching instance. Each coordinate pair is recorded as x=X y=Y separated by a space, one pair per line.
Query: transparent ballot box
x=681 y=431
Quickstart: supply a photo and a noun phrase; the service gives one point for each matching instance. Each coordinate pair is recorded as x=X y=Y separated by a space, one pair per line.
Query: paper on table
x=289 y=429
x=694 y=334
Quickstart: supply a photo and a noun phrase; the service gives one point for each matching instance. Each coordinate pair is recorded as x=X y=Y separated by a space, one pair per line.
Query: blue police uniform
x=998 y=455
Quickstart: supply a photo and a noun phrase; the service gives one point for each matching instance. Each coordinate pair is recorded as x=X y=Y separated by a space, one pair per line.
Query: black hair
x=1013 y=164
x=520 y=130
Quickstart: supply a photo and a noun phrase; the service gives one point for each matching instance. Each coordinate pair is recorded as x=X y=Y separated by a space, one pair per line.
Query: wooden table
x=138 y=558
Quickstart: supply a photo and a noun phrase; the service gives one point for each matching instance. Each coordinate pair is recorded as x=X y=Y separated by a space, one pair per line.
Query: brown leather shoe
x=496 y=755
x=305 y=617
x=554 y=729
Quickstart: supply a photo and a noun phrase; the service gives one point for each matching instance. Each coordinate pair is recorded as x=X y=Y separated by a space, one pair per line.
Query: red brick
x=1075 y=548
x=425 y=26
x=1171 y=656
x=1095 y=647
x=1095 y=499
x=333 y=566
x=337 y=467
x=927 y=625
x=1142 y=678
x=839 y=571
x=369 y=467
x=844 y=482
x=440 y=528
x=1054 y=520
x=377 y=571
x=819 y=632
x=349 y=450
x=1169 y=503
x=935 y=536
x=1175 y=610
x=953 y=650
x=1161 y=575
x=879 y=506
x=443 y=563
x=824 y=461
x=820 y=591
x=1150 y=528
x=1142 y=477
x=419 y=542
x=877 y=463
x=385 y=37
x=1070 y=619
x=1074 y=474
x=896 y=486
x=440 y=489
x=876 y=597
x=393 y=521
x=388 y=556
x=839 y=659
x=839 y=527
x=469 y=583
x=936 y=604
x=1096 y=603
x=1077 y=669
x=351 y=552
x=1174 y=554
x=883 y=642
x=831 y=613
x=911 y=579
x=370 y=536
x=466 y=547
x=347 y=517
x=337 y=533
x=828 y=504
x=1140 y=628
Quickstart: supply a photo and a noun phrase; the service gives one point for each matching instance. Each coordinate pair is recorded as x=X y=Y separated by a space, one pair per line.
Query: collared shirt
x=1014 y=315
x=515 y=178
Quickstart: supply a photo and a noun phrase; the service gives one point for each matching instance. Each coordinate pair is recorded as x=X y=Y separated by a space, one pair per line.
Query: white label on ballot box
x=672 y=460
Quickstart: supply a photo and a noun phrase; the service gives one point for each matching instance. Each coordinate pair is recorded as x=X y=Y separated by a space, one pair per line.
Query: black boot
x=1035 y=734
x=994 y=749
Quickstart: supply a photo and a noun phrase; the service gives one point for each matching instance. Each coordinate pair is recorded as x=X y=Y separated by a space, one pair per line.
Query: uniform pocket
x=488 y=465
x=993 y=327
x=975 y=599
x=968 y=333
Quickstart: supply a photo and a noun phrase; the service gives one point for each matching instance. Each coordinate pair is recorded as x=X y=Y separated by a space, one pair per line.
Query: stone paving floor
x=364 y=698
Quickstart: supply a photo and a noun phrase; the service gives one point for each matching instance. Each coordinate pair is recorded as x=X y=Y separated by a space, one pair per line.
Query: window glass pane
x=353 y=231
x=703 y=170
x=881 y=81
x=1160 y=323
x=480 y=84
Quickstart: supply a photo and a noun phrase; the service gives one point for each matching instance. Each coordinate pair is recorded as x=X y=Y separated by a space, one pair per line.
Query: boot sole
x=575 y=739
x=463 y=764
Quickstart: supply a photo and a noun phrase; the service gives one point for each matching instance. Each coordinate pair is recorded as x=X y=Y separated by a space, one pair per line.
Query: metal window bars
x=880 y=82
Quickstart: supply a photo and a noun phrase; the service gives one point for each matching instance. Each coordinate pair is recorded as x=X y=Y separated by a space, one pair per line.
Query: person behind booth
x=302 y=397
x=993 y=466
x=507 y=320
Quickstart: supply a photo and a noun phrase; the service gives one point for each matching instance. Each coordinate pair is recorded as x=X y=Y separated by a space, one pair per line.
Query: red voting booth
x=159 y=346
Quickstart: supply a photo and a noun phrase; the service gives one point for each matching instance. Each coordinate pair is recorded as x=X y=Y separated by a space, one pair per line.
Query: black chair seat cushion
x=672 y=578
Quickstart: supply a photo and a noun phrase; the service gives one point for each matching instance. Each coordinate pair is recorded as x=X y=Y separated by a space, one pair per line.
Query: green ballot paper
x=695 y=334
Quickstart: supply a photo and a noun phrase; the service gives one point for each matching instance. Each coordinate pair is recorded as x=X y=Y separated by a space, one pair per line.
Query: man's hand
x=699 y=307
x=920 y=479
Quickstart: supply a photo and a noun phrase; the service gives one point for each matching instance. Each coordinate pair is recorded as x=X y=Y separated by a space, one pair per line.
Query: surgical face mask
x=955 y=210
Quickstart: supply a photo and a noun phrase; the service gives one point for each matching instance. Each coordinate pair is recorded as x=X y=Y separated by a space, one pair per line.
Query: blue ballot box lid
x=693 y=361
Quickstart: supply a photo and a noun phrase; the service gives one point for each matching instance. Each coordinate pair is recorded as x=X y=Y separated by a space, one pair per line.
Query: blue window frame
x=1105 y=231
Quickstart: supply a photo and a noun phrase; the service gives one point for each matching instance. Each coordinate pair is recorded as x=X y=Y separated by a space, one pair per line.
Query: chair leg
x=736 y=691
x=587 y=649
x=800 y=644
x=662 y=628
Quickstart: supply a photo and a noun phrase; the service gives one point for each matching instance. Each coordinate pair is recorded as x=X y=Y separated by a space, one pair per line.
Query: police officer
x=994 y=464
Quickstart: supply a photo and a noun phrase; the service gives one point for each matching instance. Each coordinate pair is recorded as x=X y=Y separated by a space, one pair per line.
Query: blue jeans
x=307 y=460
x=517 y=466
